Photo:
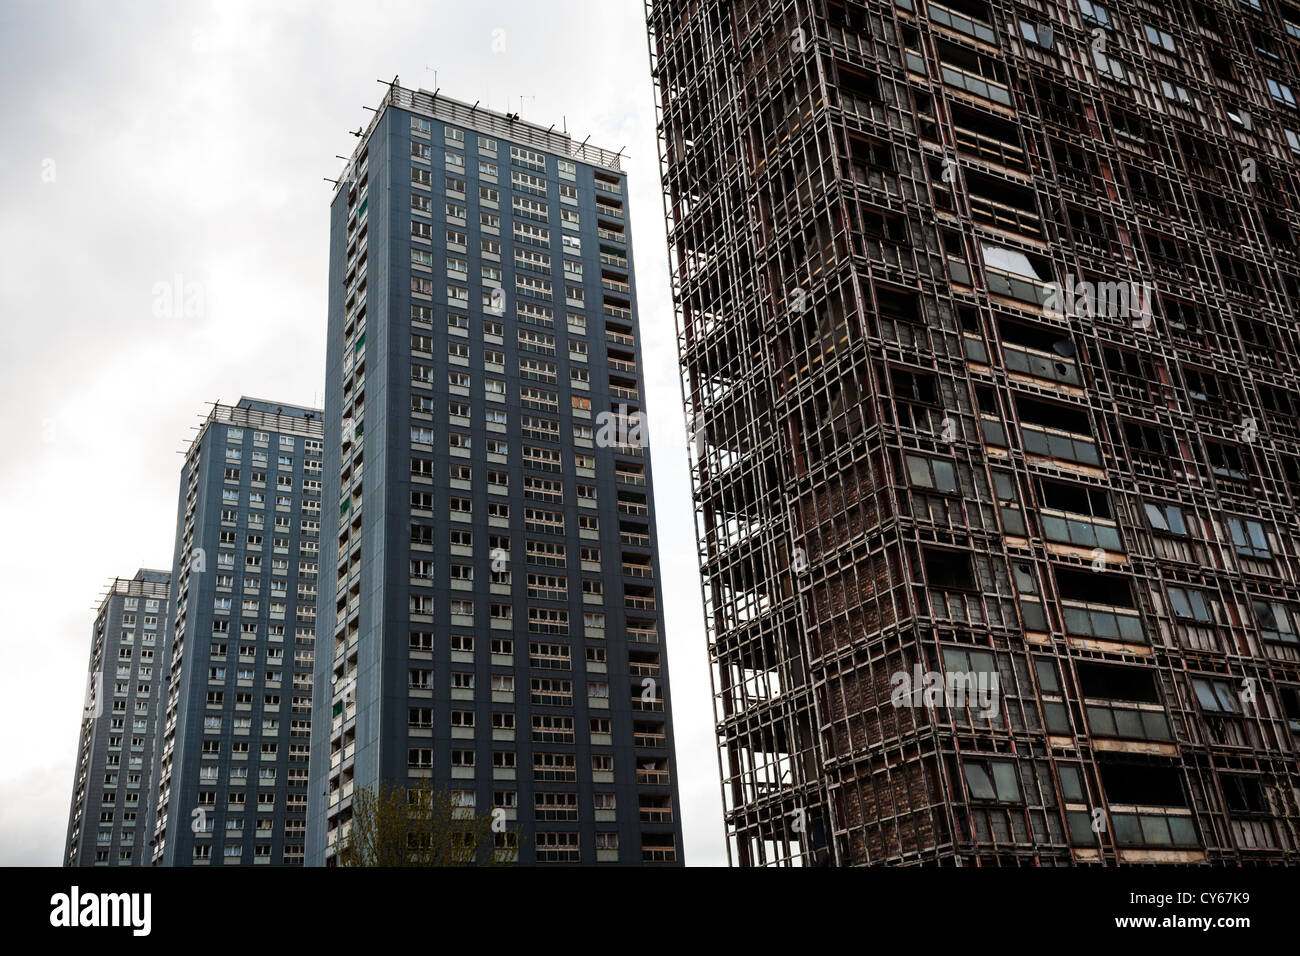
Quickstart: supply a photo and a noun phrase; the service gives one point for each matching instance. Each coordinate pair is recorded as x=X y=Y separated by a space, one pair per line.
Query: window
x=1094 y=13
x=1080 y=591
x=1037 y=34
x=526 y=182
x=931 y=473
x=1243 y=794
x=527 y=158
x=948 y=570
x=1159 y=38
x=532 y=235
x=993 y=780
x=1189 y=604
x=529 y=208
x=1166 y=518
x=1276 y=621
x=1281 y=93
x=1174 y=91
x=1112 y=67
x=1248 y=538
x=1216 y=696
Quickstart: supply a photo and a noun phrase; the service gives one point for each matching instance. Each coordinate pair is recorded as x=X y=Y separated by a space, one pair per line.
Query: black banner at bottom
x=261 y=906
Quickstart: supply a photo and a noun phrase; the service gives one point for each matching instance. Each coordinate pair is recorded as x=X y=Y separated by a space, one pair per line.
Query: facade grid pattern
x=108 y=822
x=494 y=627
x=986 y=313
x=232 y=750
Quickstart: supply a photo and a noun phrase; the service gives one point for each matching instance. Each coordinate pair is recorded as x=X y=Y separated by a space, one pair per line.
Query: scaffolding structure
x=986 y=313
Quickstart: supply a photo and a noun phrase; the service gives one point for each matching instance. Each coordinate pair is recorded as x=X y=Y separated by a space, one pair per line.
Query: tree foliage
x=418 y=826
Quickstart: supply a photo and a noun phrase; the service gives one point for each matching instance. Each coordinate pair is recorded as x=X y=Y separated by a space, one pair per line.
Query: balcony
x=1153 y=827
x=1104 y=622
x=627 y=394
x=987 y=138
x=1041 y=365
x=1082 y=531
x=963 y=22
x=1059 y=444
x=651 y=776
x=1124 y=721
x=967 y=76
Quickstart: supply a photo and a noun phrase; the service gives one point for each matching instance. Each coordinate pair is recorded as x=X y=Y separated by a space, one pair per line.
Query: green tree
x=418 y=826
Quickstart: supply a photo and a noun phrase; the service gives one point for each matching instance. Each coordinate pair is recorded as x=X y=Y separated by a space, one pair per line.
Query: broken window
x=1072 y=500
x=1085 y=589
x=1243 y=794
x=1167 y=518
x=1117 y=695
x=1276 y=621
x=912 y=386
x=1015 y=274
x=1144 y=788
x=1142 y=784
x=1225 y=460
x=1110 y=682
x=1037 y=417
x=948 y=570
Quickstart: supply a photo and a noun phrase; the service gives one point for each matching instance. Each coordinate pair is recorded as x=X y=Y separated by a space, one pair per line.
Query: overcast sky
x=163 y=244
